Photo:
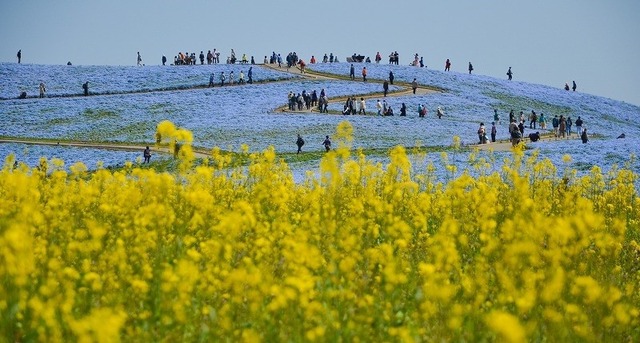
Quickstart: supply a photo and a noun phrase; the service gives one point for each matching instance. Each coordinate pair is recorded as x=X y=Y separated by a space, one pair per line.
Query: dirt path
x=199 y=152
x=312 y=75
x=505 y=145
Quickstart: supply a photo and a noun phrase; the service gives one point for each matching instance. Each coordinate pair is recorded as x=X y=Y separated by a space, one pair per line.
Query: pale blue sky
x=594 y=42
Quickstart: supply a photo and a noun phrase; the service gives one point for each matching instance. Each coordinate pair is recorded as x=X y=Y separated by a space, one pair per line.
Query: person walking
x=533 y=120
x=363 y=107
x=579 y=123
x=147 y=155
x=299 y=143
x=385 y=87
x=43 y=89
x=514 y=131
x=414 y=85
x=555 y=122
x=222 y=78
x=352 y=72
x=542 y=121
x=494 y=131
x=250 y=75
x=391 y=77
x=379 y=107
x=482 y=135
x=562 y=126
x=327 y=143
x=470 y=68
x=211 y=80
x=509 y=73
x=85 y=88
x=583 y=136
x=364 y=74
x=139 y=62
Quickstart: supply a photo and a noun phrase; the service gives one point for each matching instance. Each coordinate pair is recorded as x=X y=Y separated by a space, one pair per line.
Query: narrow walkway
x=198 y=152
x=310 y=74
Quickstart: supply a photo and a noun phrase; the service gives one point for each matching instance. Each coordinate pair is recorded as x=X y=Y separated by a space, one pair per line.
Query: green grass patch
x=99 y=114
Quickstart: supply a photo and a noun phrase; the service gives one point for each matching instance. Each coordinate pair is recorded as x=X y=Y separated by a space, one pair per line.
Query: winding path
x=313 y=75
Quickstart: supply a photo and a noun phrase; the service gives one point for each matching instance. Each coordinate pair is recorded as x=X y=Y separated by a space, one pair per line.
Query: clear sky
x=594 y=42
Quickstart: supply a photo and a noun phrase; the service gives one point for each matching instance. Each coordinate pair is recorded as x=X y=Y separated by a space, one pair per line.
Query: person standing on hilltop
x=19 y=55
x=509 y=73
x=139 y=63
x=574 y=87
x=164 y=60
x=470 y=68
x=447 y=65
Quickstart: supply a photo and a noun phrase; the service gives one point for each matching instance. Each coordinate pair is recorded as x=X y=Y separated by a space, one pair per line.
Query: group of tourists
x=562 y=127
x=211 y=57
x=305 y=100
x=230 y=79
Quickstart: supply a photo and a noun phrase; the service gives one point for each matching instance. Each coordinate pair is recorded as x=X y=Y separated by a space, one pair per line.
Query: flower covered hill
x=229 y=117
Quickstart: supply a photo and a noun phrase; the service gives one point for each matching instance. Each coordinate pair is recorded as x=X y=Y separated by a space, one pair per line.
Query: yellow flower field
x=366 y=253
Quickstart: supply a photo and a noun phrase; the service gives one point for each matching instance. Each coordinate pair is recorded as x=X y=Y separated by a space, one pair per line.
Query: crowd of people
x=211 y=57
x=230 y=79
x=561 y=127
